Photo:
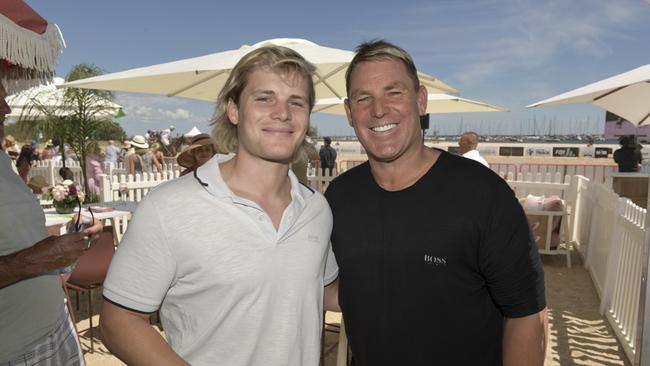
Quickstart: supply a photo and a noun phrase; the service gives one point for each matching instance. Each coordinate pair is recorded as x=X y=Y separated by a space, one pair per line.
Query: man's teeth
x=384 y=128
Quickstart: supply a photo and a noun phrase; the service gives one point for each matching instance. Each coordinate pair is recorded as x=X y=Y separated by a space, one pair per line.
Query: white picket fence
x=318 y=181
x=614 y=259
x=50 y=170
x=132 y=188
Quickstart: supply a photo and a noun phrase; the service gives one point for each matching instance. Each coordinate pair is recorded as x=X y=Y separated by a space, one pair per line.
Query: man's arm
x=524 y=340
x=130 y=337
x=47 y=255
x=331 y=297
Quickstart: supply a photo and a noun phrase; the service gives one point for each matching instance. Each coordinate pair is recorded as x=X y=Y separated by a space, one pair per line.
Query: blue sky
x=505 y=52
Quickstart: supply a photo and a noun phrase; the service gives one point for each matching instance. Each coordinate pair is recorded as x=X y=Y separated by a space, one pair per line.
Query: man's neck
x=404 y=171
x=263 y=182
x=255 y=176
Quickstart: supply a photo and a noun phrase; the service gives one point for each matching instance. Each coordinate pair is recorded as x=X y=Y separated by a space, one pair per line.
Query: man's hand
x=54 y=252
x=92 y=231
x=47 y=255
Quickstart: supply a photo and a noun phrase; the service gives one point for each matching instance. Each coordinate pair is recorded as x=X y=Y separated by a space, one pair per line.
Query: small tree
x=77 y=116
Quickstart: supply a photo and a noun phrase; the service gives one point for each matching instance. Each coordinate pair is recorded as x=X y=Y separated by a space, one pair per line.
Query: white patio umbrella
x=437 y=103
x=626 y=95
x=47 y=95
x=203 y=77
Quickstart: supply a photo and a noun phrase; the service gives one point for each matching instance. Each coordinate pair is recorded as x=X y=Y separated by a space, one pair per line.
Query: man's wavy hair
x=281 y=60
x=379 y=49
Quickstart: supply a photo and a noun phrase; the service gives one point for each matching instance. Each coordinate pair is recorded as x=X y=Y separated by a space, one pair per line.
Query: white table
x=53 y=218
x=117 y=218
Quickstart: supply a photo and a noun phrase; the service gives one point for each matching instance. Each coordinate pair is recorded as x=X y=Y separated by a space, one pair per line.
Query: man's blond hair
x=379 y=49
x=281 y=60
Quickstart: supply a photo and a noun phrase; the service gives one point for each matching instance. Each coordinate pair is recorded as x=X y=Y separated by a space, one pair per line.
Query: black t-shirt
x=428 y=273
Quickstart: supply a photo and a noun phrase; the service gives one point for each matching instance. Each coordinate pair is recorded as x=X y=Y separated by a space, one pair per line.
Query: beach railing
x=132 y=188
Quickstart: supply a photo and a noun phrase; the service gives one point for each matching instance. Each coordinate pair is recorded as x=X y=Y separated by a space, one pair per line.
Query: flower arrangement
x=66 y=196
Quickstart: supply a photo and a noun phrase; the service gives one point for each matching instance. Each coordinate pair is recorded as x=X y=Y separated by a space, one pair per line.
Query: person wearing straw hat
x=38 y=184
x=35 y=326
x=234 y=255
x=201 y=150
x=140 y=161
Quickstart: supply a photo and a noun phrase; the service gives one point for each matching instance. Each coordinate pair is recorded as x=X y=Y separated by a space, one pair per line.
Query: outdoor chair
x=548 y=219
x=90 y=272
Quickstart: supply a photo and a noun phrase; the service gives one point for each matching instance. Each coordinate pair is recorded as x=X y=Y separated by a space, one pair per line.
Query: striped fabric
x=61 y=348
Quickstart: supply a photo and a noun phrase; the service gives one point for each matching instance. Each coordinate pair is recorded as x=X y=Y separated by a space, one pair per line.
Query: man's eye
x=395 y=92
x=362 y=99
x=262 y=99
x=297 y=103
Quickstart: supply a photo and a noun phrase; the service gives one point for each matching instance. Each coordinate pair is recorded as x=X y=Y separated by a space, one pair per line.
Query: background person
x=628 y=156
x=140 y=161
x=467 y=147
x=35 y=327
x=112 y=153
x=327 y=156
x=201 y=150
x=94 y=169
x=157 y=157
x=11 y=148
x=24 y=162
x=38 y=185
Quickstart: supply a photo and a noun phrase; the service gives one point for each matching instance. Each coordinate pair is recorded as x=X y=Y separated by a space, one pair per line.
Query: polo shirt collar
x=210 y=178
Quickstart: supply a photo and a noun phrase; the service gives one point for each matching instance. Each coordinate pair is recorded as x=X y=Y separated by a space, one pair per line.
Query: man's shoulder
x=177 y=189
x=350 y=179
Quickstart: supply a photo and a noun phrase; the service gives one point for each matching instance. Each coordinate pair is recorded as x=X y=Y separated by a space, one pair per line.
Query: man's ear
x=232 y=111
x=422 y=96
x=346 y=104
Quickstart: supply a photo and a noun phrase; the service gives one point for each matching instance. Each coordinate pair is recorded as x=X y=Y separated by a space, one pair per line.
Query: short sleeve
x=143 y=267
x=508 y=256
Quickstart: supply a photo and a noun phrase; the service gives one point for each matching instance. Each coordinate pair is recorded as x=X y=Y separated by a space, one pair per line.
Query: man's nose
x=378 y=108
x=281 y=111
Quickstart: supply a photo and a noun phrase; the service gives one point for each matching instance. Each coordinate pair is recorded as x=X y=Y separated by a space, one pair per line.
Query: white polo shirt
x=232 y=290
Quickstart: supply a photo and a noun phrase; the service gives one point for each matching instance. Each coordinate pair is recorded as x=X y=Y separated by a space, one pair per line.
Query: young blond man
x=234 y=255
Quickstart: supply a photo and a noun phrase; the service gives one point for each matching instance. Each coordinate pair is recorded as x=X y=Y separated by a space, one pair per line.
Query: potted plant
x=66 y=196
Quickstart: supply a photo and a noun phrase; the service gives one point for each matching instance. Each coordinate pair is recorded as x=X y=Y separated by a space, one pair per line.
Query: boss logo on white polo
x=435 y=261
x=312 y=238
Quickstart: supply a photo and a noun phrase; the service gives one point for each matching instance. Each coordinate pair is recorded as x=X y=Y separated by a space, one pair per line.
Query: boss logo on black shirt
x=435 y=261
